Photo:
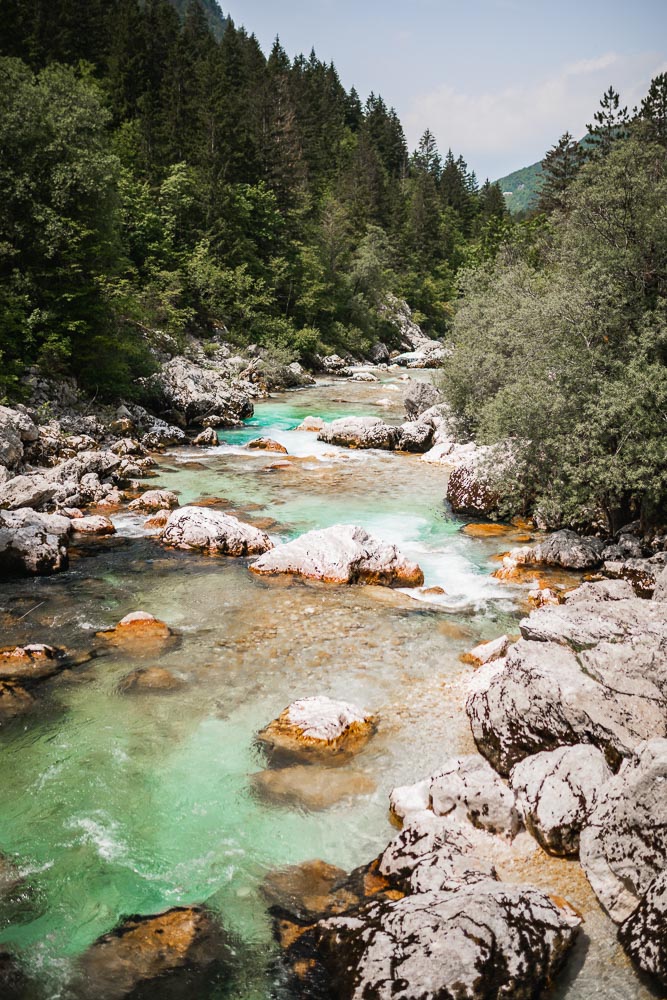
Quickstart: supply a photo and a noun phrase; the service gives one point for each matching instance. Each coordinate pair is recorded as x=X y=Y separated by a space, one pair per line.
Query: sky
x=498 y=81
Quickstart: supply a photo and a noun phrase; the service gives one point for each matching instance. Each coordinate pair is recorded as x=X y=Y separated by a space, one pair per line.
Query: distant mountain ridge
x=522 y=188
x=216 y=19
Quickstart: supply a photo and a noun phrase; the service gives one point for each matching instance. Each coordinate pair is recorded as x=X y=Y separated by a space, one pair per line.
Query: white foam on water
x=102 y=834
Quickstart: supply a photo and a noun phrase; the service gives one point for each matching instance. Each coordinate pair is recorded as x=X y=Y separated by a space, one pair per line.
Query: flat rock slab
x=214 y=532
x=343 y=553
x=583 y=623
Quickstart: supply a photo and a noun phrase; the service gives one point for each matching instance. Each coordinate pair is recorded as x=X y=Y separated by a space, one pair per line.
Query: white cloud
x=505 y=129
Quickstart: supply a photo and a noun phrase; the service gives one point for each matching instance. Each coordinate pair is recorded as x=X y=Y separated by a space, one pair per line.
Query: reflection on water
x=127 y=803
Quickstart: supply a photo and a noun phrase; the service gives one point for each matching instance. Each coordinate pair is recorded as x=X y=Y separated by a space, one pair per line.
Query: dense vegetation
x=155 y=178
x=561 y=340
x=521 y=188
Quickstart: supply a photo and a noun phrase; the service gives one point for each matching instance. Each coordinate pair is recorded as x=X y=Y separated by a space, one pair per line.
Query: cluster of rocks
x=574 y=714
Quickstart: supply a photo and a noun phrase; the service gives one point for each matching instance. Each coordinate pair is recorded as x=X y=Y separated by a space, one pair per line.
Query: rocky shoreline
x=570 y=721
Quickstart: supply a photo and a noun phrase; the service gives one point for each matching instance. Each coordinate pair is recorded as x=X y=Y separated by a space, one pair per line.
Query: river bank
x=119 y=803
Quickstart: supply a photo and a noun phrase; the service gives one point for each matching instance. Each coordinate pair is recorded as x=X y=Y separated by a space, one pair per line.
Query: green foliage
x=562 y=349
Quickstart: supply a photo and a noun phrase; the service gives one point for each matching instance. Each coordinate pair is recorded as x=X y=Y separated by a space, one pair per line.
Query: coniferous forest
x=165 y=176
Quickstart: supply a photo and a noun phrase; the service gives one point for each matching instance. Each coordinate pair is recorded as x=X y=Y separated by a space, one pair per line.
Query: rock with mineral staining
x=32 y=543
x=158 y=519
x=318 y=727
x=557 y=791
x=486 y=652
x=624 y=845
x=155 y=500
x=308 y=890
x=96 y=524
x=138 y=630
x=214 y=532
x=311 y=424
x=14 y=700
x=644 y=933
x=31 y=662
x=144 y=949
x=343 y=553
x=266 y=444
x=473 y=942
x=311 y=787
x=150 y=679
x=360 y=432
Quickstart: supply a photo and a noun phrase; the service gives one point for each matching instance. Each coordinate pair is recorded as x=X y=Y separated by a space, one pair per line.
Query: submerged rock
x=142 y=950
x=155 y=500
x=307 y=891
x=150 y=679
x=624 y=845
x=343 y=553
x=316 y=728
x=32 y=543
x=557 y=791
x=311 y=787
x=14 y=700
x=360 y=432
x=212 y=531
x=644 y=933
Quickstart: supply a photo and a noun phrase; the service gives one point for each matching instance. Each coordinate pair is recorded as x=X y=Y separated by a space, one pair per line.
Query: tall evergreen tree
x=559 y=168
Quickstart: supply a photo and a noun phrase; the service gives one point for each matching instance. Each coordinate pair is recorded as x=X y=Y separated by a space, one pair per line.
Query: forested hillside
x=160 y=179
x=521 y=188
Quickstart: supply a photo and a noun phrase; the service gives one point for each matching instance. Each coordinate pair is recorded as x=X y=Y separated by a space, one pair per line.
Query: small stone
x=93 y=525
x=150 y=679
x=267 y=444
x=155 y=500
x=486 y=652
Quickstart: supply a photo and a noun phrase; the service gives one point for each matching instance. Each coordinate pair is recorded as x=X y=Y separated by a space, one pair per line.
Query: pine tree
x=559 y=168
x=654 y=109
x=610 y=124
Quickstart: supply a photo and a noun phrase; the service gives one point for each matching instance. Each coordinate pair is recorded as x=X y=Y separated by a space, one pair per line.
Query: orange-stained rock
x=158 y=520
x=138 y=628
x=143 y=949
x=267 y=444
x=307 y=890
x=486 y=530
x=311 y=424
x=14 y=700
x=34 y=661
x=94 y=524
x=486 y=652
x=315 y=728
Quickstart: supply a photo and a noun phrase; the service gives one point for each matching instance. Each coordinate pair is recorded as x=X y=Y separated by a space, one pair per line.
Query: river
x=117 y=804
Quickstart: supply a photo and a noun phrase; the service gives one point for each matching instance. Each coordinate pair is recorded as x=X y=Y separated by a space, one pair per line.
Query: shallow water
x=116 y=804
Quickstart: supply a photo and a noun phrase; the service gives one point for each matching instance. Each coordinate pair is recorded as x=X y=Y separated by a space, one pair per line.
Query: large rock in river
x=557 y=791
x=343 y=553
x=318 y=728
x=469 y=492
x=624 y=846
x=199 y=393
x=143 y=950
x=212 y=531
x=419 y=397
x=480 y=942
x=564 y=548
x=596 y=674
x=32 y=543
x=360 y=432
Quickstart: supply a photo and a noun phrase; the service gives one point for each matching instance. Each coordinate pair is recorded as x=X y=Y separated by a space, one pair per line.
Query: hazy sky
x=497 y=80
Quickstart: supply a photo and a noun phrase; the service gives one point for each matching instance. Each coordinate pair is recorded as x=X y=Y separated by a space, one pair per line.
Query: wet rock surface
x=343 y=554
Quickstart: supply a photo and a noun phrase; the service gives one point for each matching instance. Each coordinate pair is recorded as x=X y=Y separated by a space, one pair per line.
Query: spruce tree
x=559 y=168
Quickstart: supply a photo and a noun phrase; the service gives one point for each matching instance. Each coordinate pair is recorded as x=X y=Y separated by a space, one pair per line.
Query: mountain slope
x=522 y=187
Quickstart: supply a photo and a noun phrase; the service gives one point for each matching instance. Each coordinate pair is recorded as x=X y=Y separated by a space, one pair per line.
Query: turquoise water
x=115 y=804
